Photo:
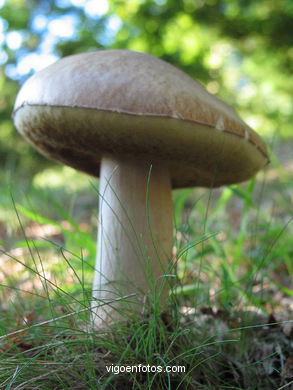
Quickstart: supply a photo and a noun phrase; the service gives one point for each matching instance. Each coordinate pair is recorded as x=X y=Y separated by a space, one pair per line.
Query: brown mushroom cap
x=127 y=103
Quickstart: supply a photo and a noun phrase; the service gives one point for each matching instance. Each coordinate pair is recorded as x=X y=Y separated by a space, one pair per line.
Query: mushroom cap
x=127 y=103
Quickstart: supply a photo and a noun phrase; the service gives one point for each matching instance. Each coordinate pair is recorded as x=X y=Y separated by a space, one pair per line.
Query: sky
x=52 y=28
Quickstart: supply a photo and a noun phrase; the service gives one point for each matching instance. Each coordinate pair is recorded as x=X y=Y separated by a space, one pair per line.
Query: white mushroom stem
x=134 y=235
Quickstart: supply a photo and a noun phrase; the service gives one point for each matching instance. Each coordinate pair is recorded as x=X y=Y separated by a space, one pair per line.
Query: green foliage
x=222 y=276
x=241 y=51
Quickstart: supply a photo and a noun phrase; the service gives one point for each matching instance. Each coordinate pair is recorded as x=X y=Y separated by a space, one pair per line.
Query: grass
x=228 y=318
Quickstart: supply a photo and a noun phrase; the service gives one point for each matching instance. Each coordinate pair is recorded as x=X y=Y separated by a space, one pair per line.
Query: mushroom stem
x=134 y=235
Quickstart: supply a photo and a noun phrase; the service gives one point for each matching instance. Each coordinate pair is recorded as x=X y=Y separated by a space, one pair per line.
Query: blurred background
x=241 y=51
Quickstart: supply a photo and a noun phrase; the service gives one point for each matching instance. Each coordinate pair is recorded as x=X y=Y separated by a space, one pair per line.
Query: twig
x=286 y=385
x=65 y=315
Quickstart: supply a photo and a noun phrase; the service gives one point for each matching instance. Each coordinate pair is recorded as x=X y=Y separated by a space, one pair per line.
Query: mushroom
x=144 y=127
